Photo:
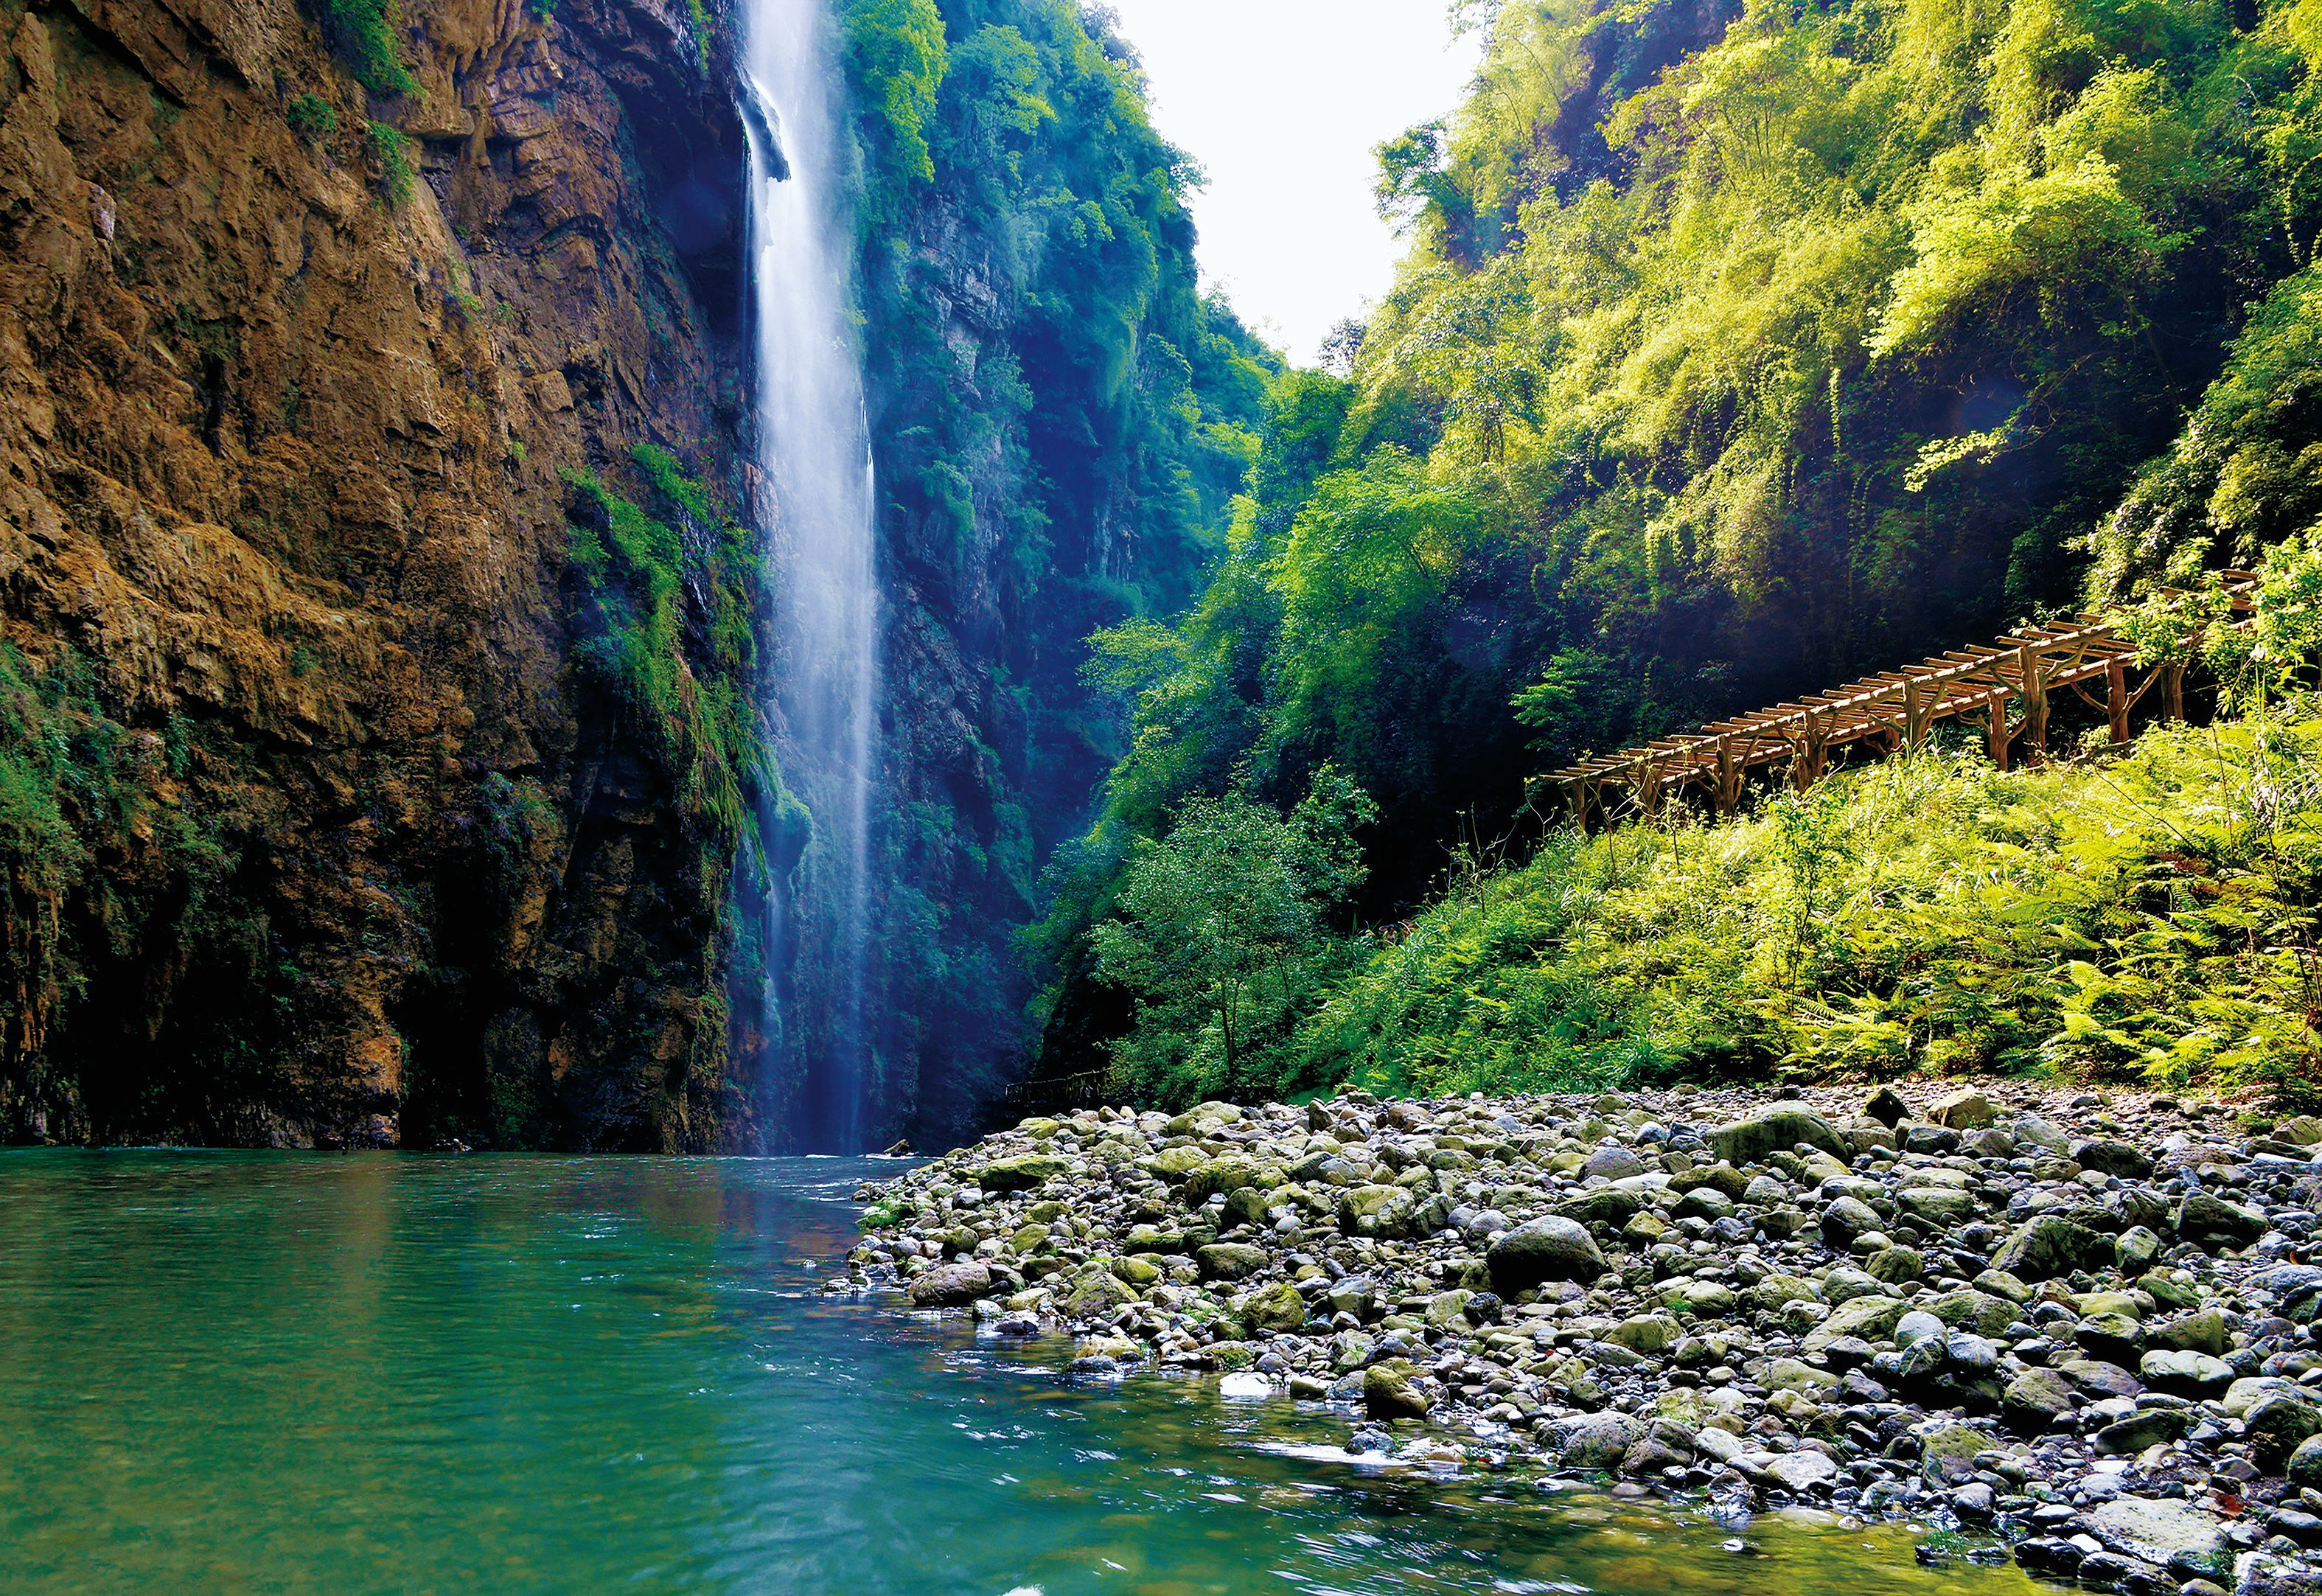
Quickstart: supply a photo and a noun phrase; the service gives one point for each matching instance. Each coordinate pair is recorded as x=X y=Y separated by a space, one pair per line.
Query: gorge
x=711 y=580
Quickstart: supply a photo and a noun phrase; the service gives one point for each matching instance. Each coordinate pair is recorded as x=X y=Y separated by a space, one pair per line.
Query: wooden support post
x=1806 y=761
x=1649 y=789
x=1921 y=700
x=1575 y=795
x=1728 y=794
x=1996 y=709
x=2032 y=676
x=2116 y=698
x=2172 y=692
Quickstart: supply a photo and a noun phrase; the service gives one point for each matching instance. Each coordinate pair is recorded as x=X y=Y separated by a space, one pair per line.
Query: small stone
x=1799 y=1472
x=1595 y=1441
x=2192 y=1374
x=1870 y=1317
x=2201 y=1332
x=1895 y=1264
x=2112 y=1158
x=1097 y=1293
x=1778 y=1130
x=1846 y=1218
x=2305 y=1465
x=1278 y=1307
x=2259 y=1573
x=2037 y=1399
x=1612 y=1163
x=2207 y=1220
x=2050 y=1554
x=1947 y=1455
x=2048 y=1246
x=1230 y=1260
x=2276 y=1426
x=1916 y=1326
x=1789 y=1374
x=2147 y=1428
x=1020 y=1174
x=1887 y=1107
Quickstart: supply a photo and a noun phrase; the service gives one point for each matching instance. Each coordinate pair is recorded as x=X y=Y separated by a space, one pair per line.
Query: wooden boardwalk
x=2007 y=685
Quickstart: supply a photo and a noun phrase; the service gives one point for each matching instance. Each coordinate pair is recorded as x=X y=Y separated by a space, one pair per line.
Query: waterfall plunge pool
x=275 y=1372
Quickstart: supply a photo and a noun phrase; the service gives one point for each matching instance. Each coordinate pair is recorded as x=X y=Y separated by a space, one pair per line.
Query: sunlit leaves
x=897 y=53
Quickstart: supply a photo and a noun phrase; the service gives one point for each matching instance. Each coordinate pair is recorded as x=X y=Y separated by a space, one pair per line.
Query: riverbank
x=2075 y=1324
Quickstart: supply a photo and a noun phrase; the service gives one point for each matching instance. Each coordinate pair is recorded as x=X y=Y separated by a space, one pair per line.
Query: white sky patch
x=1282 y=102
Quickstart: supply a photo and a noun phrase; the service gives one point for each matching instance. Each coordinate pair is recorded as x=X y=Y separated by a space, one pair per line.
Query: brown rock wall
x=282 y=493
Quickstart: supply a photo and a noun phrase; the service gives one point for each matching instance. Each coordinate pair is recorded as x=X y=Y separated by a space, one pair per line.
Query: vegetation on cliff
x=1741 y=347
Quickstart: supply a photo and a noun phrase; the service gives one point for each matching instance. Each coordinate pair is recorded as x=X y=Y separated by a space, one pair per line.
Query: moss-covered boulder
x=1021 y=1173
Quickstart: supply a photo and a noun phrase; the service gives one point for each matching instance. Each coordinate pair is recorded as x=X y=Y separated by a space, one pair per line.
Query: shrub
x=311 y=116
x=2150 y=916
x=363 y=32
x=396 y=174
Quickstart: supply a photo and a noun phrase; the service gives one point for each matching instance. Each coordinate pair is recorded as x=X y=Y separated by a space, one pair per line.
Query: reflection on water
x=250 y=1373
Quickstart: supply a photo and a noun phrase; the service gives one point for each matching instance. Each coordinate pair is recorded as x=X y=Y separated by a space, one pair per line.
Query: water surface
x=260 y=1373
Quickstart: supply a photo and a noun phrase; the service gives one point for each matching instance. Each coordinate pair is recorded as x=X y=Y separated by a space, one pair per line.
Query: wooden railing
x=2007 y=684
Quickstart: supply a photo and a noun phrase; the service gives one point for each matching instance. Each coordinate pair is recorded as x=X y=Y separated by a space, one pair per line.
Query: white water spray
x=816 y=504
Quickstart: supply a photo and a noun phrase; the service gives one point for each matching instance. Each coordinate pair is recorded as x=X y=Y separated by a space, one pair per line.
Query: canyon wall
x=333 y=806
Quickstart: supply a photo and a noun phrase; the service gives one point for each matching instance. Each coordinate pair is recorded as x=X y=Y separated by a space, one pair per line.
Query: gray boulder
x=1550 y=1248
x=2154 y=1531
x=2050 y=1245
x=953 y=1285
x=1777 y=1130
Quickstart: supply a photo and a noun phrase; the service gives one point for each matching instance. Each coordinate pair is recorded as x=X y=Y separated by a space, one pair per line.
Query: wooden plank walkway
x=2007 y=684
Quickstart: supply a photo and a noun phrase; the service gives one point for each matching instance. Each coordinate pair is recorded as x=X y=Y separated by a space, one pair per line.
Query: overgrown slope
x=1739 y=348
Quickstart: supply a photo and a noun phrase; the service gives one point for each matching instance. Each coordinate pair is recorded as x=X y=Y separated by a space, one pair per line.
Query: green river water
x=261 y=1372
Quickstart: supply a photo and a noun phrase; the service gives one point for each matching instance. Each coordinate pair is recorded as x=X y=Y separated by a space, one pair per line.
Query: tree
x=1223 y=931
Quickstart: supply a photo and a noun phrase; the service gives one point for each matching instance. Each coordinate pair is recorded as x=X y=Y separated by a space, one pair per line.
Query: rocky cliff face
x=311 y=825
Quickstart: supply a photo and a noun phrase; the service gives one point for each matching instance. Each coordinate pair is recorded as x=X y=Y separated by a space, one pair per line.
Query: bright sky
x=1282 y=102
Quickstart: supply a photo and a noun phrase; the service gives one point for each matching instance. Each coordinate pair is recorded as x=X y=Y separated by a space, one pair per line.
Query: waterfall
x=816 y=507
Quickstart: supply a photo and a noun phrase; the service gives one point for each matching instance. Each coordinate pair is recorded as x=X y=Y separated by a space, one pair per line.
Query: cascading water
x=815 y=503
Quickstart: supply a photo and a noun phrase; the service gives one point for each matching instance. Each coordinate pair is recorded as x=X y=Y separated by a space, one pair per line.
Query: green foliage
x=311 y=116
x=1222 y=936
x=2245 y=473
x=2151 y=918
x=1741 y=348
x=112 y=882
x=705 y=28
x=391 y=148
x=895 y=58
x=2257 y=658
x=664 y=613
x=364 y=33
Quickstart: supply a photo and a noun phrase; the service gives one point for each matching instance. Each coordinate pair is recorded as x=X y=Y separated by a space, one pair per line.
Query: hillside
x=1738 y=350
